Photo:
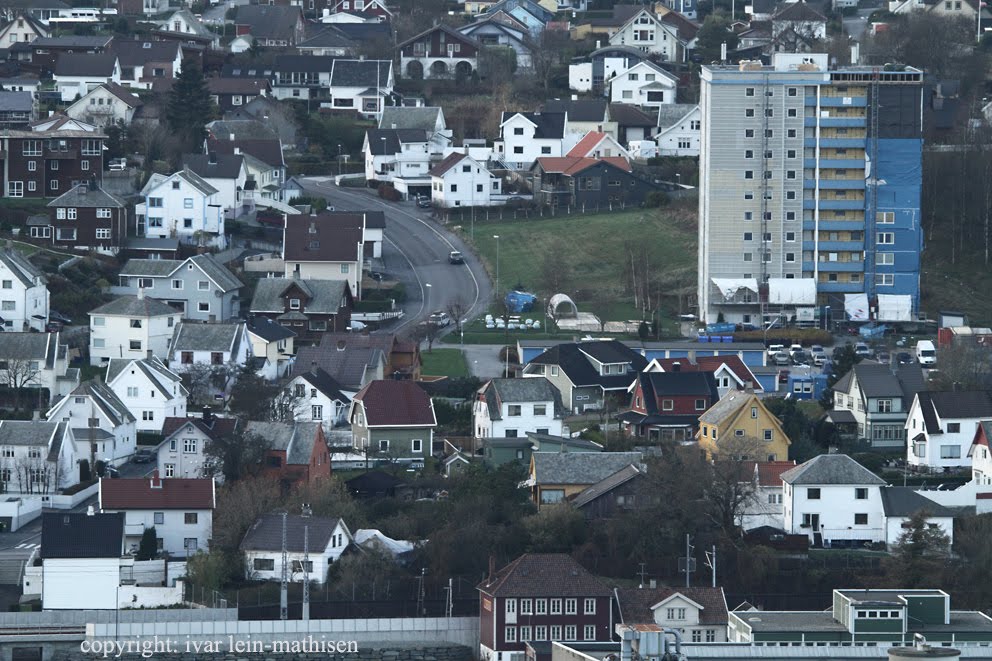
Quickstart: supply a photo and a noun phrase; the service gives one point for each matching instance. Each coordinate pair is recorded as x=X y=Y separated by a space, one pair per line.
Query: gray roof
x=29 y=346
x=399 y=117
x=27 y=432
x=217 y=272
x=207 y=337
x=266 y=533
x=296 y=439
x=242 y=129
x=330 y=37
x=104 y=398
x=153 y=368
x=349 y=367
x=224 y=166
x=906 y=501
x=196 y=181
x=831 y=469
x=607 y=484
x=878 y=380
x=132 y=53
x=325 y=295
x=163 y=268
x=71 y=42
x=671 y=114
x=153 y=268
x=361 y=73
x=86 y=64
x=579 y=467
x=134 y=306
x=563 y=442
x=510 y=391
x=269 y=21
x=164 y=244
x=16 y=101
x=199 y=29
x=21 y=267
x=82 y=196
x=726 y=407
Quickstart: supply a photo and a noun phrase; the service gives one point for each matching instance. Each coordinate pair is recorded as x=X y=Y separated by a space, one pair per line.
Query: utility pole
x=688 y=555
x=284 y=587
x=420 y=593
x=306 y=574
x=642 y=573
x=711 y=562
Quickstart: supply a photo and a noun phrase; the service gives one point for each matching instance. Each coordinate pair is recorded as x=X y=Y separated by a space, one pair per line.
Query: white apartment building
x=130 y=327
x=182 y=205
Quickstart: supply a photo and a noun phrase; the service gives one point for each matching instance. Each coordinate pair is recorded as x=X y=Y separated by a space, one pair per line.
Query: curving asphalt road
x=415 y=252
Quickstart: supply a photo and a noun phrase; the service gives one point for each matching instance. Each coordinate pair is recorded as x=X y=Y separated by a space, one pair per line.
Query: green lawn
x=444 y=362
x=598 y=252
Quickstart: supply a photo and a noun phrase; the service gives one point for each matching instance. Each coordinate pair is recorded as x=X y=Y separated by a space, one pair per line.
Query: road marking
x=20 y=546
x=413 y=270
x=475 y=281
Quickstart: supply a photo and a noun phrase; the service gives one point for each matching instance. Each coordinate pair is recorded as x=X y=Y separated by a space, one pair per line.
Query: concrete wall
x=20 y=511
x=140 y=596
x=62 y=502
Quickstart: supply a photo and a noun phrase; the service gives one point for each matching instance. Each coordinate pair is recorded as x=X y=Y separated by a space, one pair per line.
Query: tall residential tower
x=809 y=192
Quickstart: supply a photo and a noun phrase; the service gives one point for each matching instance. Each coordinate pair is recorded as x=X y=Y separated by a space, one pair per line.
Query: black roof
x=74 y=535
x=550 y=125
x=301 y=532
x=85 y=64
x=387 y=141
x=906 y=501
x=136 y=53
x=574 y=360
x=267 y=329
x=951 y=405
x=361 y=73
x=579 y=110
x=680 y=383
x=374 y=481
x=365 y=31
x=325 y=383
x=329 y=37
x=269 y=21
x=227 y=166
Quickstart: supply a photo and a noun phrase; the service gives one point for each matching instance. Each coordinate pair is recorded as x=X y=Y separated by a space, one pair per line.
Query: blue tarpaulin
x=520 y=301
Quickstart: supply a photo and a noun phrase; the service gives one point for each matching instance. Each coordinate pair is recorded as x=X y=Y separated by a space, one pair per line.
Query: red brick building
x=298 y=452
x=541 y=597
x=86 y=217
x=665 y=406
x=49 y=163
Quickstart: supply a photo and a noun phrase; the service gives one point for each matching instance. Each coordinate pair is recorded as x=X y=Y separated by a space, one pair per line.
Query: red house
x=730 y=372
x=665 y=406
x=541 y=597
x=298 y=453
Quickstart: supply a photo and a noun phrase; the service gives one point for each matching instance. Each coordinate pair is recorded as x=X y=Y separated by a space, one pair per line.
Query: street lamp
x=339 y=160
x=770 y=326
x=427 y=295
x=496 y=236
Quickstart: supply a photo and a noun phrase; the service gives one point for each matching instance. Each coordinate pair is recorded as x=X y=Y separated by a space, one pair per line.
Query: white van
x=926 y=354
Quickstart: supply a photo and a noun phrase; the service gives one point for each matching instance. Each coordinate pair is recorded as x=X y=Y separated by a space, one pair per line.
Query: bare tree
x=964 y=366
x=547 y=55
x=18 y=374
x=798 y=37
x=425 y=331
x=731 y=481
x=456 y=310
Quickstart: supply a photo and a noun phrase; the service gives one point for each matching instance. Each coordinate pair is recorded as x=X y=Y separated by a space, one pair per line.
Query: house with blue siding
x=753 y=354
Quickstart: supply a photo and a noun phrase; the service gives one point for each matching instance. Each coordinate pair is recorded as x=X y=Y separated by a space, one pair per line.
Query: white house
x=510 y=408
x=184 y=206
x=215 y=345
x=700 y=613
x=646 y=31
x=150 y=390
x=101 y=425
x=679 y=129
x=527 y=136
x=23 y=293
x=75 y=76
x=228 y=174
x=327 y=246
x=941 y=427
x=403 y=156
x=81 y=560
x=37 y=360
x=272 y=342
x=361 y=85
x=182 y=452
x=130 y=327
x=326 y=540
x=108 y=104
x=36 y=457
x=981 y=454
x=833 y=499
x=899 y=504
x=22 y=29
x=461 y=181
x=180 y=510
x=185 y=23
x=765 y=507
x=316 y=396
x=645 y=84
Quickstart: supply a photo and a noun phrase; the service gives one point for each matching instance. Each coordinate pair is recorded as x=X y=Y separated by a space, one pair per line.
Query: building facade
x=810 y=185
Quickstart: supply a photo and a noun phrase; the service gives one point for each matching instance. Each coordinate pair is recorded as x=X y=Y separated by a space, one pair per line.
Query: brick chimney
x=156 y=481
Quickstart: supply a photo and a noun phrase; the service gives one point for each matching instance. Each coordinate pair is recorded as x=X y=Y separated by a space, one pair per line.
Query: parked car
x=117 y=164
x=782 y=358
x=455 y=257
x=904 y=358
x=774 y=349
x=884 y=357
x=143 y=456
x=424 y=202
x=440 y=318
x=61 y=318
x=795 y=349
x=862 y=350
x=783 y=376
x=800 y=357
x=818 y=355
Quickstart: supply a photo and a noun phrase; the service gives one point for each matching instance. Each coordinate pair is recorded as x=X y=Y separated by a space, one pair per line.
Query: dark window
x=813 y=493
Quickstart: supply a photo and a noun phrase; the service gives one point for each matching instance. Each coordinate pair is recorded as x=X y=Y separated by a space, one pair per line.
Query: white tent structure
x=555 y=304
x=856 y=306
x=788 y=291
x=892 y=307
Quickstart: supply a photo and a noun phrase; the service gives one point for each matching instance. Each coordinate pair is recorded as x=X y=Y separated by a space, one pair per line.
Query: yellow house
x=740 y=425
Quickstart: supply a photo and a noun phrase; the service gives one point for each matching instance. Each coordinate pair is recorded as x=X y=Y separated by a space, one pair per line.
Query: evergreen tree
x=148 y=548
x=189 y=106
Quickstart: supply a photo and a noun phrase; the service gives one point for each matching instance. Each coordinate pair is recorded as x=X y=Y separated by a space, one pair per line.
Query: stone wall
x=391 y=653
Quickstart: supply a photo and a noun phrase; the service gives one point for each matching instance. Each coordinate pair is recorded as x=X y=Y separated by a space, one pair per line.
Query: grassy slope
x=444 y=362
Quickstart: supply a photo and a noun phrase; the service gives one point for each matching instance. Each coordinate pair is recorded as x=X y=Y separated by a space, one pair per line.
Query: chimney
x=237 y=151
x=141 y=293
x=90 y=511
x=575 y=97
x=149 y=355
x=692 y=356
x=313 y=367
x=723 y=52
x=305 y=510
x=676 y=366
x=598 y=44
x=341 y=345
x=393 y=126
x=749 y=387
x=653 y=584
x=92 y=183
x=36 y=415
x=156 y=481
x=212 y=158
x=208 y=416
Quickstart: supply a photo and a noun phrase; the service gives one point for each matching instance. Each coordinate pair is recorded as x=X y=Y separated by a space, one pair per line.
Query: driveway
x=415 y=252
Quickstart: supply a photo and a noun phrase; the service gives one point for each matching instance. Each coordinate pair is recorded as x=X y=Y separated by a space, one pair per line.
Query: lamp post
x=427 y=297
x=496 y=236
x=339 y=160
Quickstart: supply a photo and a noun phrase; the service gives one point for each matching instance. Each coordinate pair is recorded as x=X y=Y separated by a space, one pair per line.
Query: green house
x=393 y=422
x=499 y=451
x=865 y=617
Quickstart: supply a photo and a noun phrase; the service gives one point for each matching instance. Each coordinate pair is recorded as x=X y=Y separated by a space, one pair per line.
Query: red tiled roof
x=570 y=164
x=586 y=144
x=769 y=472
x=396 y=404
x=712 y=364
x=635 y=603
x=449 y=162
x=173 y=493
x=544 y=575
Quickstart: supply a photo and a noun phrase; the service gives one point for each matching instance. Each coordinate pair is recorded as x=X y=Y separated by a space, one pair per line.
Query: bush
x=388 y=193
x=656 y=198
x=804 y=336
